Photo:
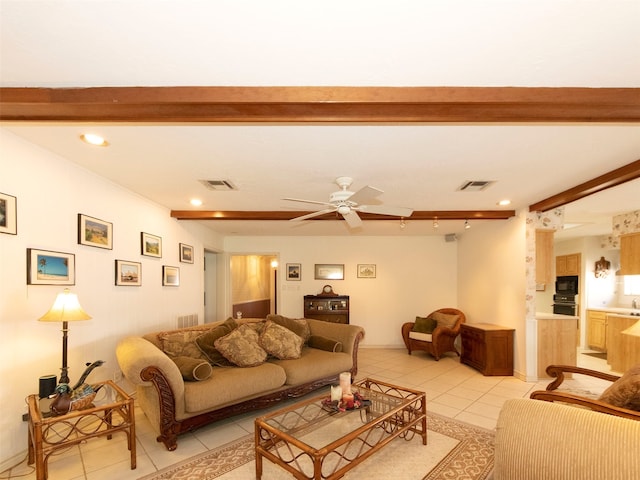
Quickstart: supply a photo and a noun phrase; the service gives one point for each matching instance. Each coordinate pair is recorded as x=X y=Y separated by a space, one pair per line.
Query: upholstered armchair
x=622 y=398
x=435 y=333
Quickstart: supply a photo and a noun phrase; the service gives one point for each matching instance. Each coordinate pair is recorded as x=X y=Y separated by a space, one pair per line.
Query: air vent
x=218 y=184
x=475 y=185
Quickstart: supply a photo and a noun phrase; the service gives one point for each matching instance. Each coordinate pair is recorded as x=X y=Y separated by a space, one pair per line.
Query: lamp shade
x=66 y=308
x=633 y=330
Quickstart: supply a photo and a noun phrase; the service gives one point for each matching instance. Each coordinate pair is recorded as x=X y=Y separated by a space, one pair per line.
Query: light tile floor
x=453 y=390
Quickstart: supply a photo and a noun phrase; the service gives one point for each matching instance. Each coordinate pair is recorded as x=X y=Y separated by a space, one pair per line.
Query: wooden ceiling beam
x=288 y=215
x=320 y=104
x=610 y=179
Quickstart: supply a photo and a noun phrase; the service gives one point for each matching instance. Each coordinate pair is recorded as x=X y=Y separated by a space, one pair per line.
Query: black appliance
x=567 y=285
x=565 y=304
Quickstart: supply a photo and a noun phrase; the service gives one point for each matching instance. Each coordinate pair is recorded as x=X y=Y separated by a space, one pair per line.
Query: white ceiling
x=356 y=43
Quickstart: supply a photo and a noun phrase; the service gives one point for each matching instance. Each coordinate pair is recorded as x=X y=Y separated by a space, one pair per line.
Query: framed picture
x=186 y=253
x=170 y=276
x=94 y=232
x=329 y=271
x=128 y=273
x=150 y=245
x=366 y=270
x=50 y=268
x=8 y=214
x=294 y=271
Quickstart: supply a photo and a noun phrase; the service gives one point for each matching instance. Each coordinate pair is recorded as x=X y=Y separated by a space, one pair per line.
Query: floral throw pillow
x=241 y=347
x=280 y=342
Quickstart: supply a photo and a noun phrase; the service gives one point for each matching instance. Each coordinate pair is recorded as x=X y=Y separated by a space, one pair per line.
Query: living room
x=483 y=272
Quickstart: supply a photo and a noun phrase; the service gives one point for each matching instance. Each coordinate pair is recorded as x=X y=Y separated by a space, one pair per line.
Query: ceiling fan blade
x=307 y=201
x=353 y=219
x=314 y=214
x=365 y=195
x=386 y=210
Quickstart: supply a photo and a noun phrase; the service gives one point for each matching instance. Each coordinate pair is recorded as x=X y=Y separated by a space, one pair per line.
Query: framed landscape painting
x=294 y=271
x=366 y=270
x=128 y=273
x=94 y=232
x=50 y=268
x=170 y=276
x=329 y=271
x=8 y=214
x=150 y=245
x=186 y=253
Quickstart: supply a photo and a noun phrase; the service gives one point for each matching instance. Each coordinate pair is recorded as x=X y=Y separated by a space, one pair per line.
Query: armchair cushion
x=624 y=392
x=445 y=319
x=425 y=325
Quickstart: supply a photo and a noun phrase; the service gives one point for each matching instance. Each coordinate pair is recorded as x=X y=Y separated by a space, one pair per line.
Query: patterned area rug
x=454 y=450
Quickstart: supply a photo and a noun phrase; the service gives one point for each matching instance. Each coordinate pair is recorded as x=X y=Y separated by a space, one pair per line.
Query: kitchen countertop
x=554 y=316
x=619 y=311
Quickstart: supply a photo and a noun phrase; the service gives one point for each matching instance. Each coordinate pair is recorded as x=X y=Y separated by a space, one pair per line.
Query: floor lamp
x=65 y=309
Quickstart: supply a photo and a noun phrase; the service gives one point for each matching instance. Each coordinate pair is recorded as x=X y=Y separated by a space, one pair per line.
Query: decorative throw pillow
x=445 y=319
x=425 y=324
x=280 y=342
x=193 y=369
x=300 y=326
x=241 y=347
x=182 y=343
x=624 y=392
x=324 y=343
x=206 y=342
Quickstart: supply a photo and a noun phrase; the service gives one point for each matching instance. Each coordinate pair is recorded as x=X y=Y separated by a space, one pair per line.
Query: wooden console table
x=487 y=348
x=47 y=434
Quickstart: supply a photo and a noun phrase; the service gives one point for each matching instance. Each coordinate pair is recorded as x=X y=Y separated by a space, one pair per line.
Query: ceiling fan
x=348 y=203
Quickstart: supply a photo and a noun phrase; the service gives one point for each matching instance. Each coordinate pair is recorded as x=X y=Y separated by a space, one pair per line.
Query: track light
x=402 y=223
x=467 y=225
x=435 y=223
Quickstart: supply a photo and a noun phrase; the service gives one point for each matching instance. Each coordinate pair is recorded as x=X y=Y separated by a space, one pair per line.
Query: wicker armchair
x=551 y=395
x=441 y=339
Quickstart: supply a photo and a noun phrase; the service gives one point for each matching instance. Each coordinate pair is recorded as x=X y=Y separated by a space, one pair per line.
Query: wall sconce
x=65 y=309
x=467 y=225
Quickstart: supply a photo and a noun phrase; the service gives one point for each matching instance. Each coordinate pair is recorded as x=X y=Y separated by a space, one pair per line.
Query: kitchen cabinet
x=623 y=351
x=557 y=339
x=597 y=330
x=487 y=348
x=327 y=306
x=544 y=257
x=630 y=254
x=568 y=264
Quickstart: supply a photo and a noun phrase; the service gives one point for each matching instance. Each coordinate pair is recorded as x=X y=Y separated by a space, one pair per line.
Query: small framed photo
x=8 y=214
x=329 y=271
x=186 y=253
x=366 y=270
x=94 y=232
x=150 y=245
x=170 y=276
x=128 y=273
x=294 y=271
x=50 y=268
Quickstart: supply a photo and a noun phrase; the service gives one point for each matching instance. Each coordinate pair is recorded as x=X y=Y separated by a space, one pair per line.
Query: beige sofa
x=175 y=406
x=537 y=440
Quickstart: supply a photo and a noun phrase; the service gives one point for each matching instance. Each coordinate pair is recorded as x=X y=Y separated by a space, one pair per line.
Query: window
x=632 y=284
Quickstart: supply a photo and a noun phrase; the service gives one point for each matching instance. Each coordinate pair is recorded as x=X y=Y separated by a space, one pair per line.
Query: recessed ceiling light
x=94 y=139
x=504 y=203
x=196 y=202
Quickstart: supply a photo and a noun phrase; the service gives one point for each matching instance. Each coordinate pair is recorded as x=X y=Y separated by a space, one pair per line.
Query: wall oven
x=565 y=304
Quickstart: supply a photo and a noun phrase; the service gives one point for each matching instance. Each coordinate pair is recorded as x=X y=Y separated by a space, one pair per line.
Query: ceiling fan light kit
x=348 y=203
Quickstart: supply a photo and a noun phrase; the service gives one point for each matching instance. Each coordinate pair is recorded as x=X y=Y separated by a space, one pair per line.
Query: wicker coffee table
x=313 y=441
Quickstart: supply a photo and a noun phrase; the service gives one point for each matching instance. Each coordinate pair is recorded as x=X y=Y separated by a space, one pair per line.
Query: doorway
x=254 y=280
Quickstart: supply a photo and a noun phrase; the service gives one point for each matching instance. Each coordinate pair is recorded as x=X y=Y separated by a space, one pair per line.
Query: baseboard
x=17 y=459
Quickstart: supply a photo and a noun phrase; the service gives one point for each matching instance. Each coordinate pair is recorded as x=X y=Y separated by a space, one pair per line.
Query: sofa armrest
x=135 y=354
x=348 y=334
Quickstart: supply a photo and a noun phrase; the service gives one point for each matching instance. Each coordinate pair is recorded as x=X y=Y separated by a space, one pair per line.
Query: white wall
x=50 y=193
x=492 y=279
x=415 y=275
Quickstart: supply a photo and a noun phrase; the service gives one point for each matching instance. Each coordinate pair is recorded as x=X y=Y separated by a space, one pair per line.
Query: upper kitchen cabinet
x=630 y=254
x=568 y=264
x=544 y=257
